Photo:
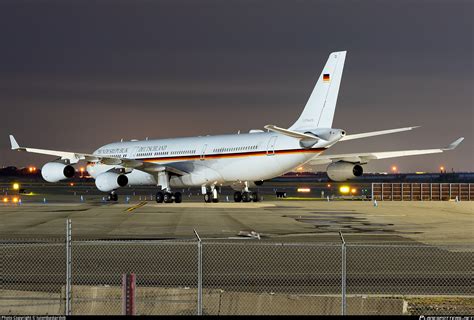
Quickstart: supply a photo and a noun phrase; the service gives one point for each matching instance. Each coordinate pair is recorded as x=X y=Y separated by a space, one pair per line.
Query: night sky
x=75 y=75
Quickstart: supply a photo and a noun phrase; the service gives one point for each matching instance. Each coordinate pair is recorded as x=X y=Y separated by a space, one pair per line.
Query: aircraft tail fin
x=321 y=105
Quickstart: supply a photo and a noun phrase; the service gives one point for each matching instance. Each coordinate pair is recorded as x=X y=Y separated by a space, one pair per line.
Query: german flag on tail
x=326 y=77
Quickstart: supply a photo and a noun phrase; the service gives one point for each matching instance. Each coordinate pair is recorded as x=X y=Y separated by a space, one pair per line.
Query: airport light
x=32 y=169
x=344 y=189
x=72 y=184
x=304 y=190
x=329 y=185
x=16 y=186
x=5 y=199
x=353 y=190
x=15 y=200
x=394 y=169
x=442 y=169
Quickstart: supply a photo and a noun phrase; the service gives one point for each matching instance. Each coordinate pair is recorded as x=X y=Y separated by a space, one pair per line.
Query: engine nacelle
x=109 y=181
x=57 y=171
x=341 y=171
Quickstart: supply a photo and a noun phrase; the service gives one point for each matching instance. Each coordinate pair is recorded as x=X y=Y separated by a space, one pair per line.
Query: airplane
x=241 y=161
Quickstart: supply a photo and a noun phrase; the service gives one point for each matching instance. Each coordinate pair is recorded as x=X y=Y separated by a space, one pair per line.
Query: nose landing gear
x=113 y=196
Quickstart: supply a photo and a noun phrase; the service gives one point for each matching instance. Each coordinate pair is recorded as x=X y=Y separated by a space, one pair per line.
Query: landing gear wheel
x=256 y=197
x=215 y=200
x=168 y=197
x=237 y=196
x=246 y=196
x=178 y=198
x=113 y=196
x=208 y=197
x=159 y=197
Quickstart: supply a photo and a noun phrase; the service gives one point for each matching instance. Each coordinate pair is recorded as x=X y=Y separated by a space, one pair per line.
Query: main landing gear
x=165 y=195
x=247 y=196
x=168 y=197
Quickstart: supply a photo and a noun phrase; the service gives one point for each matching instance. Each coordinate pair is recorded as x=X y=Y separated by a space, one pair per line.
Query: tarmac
x=445 y=224
x=288 y=246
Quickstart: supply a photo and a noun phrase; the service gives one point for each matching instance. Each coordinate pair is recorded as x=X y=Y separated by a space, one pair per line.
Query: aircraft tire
x=256 y=197
x=208 y=197
x=237 y=196
x=178 y=198
x=246 y=197
x=159 y=197
x=168 y=197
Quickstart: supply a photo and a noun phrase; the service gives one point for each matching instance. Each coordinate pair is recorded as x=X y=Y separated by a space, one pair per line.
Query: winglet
x=13 y=142
x=454 y=144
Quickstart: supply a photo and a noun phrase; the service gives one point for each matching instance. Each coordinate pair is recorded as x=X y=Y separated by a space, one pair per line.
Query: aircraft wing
x=366 y=157
x=75 y=157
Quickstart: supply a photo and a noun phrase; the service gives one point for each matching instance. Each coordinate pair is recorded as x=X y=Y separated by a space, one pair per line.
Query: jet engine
x=56 y=171
x=341 y=171
x=109 y=181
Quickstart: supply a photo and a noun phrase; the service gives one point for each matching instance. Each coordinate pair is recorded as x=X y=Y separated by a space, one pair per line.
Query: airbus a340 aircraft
x=237 y=160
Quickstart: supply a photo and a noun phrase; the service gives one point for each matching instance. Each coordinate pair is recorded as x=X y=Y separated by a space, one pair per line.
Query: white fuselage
x=212 y=160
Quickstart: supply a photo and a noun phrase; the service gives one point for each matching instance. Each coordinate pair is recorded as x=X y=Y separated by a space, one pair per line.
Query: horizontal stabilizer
x=375 y=133
x=290 y=133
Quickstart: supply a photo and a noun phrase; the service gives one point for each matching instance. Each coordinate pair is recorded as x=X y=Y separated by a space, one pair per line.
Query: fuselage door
x=203 y=152
x=271 y=146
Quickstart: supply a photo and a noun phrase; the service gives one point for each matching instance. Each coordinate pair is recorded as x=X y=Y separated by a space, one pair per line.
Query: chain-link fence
x=243 y=277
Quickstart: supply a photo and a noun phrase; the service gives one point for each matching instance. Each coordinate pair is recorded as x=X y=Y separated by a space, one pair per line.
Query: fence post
x=68 y=266
x=129 y=284
x=199 y=298
x=343 y=276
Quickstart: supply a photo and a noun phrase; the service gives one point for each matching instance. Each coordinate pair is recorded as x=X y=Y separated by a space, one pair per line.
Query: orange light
x=5 y=199
x=81 y=169
x=304 y=190
x=300 y=169
x=72 y=184
x=441 y=168
x=329 y=185
x=353 y=190
x=394 y=168
x=15 y=199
